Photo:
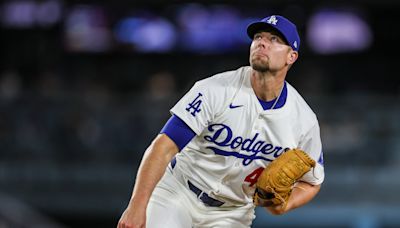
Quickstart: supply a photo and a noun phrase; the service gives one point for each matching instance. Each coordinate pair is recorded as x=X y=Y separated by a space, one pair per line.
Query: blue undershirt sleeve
x=178 y=131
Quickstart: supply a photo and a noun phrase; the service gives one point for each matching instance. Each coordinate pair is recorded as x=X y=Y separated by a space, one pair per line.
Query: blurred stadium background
x=86 y=85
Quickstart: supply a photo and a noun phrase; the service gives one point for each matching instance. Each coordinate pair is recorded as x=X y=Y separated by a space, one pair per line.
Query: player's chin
x=259 y=66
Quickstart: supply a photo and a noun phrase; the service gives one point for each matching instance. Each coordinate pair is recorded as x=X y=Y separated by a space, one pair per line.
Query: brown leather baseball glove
x=275 y=183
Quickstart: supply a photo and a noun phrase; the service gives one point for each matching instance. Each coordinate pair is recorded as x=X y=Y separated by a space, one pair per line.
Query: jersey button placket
x=257 y=122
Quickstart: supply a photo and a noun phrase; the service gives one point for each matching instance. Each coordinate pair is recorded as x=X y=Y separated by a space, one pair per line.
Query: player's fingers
x=126 y=225
x=122 y=224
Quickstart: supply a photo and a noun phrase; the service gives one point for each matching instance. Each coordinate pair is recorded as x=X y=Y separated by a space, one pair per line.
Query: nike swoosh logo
x=231 y=106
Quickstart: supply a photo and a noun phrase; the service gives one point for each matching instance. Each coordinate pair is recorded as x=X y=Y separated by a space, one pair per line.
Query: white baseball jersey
x=236 y=138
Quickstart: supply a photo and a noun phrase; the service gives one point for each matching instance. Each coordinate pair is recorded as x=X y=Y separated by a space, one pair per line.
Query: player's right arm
x=155 y=161
x=190 y=115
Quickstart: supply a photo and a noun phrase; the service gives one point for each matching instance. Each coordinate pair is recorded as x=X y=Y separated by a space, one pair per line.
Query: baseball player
x=201 y=170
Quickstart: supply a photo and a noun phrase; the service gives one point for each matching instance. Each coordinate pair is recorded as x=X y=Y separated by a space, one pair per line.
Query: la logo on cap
x=272 y=20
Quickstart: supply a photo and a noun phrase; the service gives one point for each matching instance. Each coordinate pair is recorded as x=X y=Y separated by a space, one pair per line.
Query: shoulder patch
x=194 y=106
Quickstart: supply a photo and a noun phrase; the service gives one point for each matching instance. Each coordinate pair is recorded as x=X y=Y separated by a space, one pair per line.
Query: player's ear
x=292 y=56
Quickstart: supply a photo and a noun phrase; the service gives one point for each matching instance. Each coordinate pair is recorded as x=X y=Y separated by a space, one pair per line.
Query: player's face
x=269 y=52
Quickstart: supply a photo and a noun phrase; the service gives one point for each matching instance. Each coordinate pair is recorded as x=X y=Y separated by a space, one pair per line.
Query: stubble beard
x=259 y=65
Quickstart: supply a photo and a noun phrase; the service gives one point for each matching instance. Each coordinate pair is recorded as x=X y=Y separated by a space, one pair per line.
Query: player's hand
x=132 y=218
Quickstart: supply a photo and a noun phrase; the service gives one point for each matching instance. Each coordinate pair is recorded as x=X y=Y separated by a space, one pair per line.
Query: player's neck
x=266 y=86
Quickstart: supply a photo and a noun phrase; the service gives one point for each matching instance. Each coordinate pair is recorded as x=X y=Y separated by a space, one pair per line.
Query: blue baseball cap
x=279 y=23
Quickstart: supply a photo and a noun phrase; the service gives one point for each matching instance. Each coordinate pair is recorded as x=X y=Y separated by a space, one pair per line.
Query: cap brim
x=259 y=26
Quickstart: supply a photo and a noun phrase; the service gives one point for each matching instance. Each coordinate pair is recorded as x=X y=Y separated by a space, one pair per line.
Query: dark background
x=75 y=121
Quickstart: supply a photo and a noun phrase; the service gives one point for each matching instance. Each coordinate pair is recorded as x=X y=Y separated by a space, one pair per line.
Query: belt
x=173 y=162
x=207 y=200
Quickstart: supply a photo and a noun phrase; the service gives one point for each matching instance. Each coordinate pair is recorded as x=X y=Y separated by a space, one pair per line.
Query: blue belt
x=173 y=162
x=204 y=196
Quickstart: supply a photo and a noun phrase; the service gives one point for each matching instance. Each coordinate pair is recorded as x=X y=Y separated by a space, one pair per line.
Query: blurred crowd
x=86 y=121
x=89 y=121
x=66 y=143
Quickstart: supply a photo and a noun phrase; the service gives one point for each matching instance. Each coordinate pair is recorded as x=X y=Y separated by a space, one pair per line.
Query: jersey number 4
x=253 y=177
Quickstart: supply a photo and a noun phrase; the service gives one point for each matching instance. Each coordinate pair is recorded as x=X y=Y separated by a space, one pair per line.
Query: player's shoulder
x=301 y=107
x=225 y=79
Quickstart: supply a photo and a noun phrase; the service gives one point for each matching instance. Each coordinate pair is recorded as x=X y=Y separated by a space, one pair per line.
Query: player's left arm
x=302 y=193
x=305 y=189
